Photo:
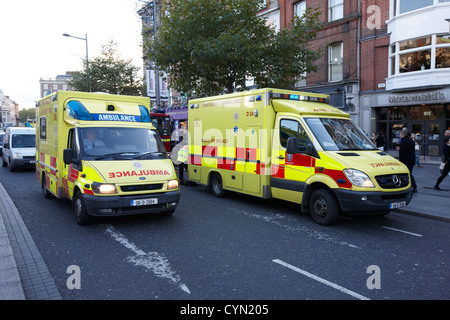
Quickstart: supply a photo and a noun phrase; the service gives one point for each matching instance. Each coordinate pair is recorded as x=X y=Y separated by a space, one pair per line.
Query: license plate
x=144 y=202
x=396 y=205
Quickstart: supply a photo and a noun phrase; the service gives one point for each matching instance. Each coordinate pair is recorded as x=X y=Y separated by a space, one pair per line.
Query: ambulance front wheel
x=324 y=207
x=79 y=208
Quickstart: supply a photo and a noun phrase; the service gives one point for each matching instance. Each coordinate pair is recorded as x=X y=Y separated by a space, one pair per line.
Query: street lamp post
x=87 y=57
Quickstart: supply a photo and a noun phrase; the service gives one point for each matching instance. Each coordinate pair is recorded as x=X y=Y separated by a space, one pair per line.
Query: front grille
x=393 y=181
x=142 y=187
x=29 y=158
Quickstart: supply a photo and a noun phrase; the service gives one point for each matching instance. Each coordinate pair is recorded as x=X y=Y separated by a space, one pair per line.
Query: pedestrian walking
x=416 y=149
x=379 y=140
x=446 y=160
x=406 y=154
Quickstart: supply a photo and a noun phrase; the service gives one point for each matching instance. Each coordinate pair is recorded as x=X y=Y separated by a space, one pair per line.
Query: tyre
x=45 y=191
x=324 y=207
x=79 y=209
x=11 y=167
x=216 y=185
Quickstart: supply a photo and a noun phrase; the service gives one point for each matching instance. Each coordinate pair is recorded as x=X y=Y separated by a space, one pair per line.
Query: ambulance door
x=290 y=171
x=71 y=171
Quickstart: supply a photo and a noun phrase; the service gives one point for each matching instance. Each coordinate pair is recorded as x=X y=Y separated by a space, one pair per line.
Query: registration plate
x=396 y=205
x=144 y=202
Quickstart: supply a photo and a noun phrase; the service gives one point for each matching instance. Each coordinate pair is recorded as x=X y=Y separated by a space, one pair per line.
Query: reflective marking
x=411 y=233
x=153 y=261
x=323 y=281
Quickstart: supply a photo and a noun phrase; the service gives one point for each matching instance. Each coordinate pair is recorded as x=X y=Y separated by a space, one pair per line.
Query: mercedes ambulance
x=292 y=146
x=102 y=152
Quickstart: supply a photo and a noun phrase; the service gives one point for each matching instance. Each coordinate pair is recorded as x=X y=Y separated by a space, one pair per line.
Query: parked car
x=2 y=135
x=19 y=148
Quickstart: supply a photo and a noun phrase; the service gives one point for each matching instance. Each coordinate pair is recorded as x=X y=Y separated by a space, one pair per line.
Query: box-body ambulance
x=102 y=152
x=292 y=146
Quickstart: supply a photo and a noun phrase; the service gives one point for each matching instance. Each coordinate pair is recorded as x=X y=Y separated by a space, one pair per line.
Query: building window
x=335 y=9
x=335 y=62
x=403 y=6
x=427 y=53
x=300 y=9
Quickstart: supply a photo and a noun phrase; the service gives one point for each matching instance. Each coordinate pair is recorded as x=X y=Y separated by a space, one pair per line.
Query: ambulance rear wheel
x=323 y=207
x=216 y=185
x=45 y=192
x=79 y=209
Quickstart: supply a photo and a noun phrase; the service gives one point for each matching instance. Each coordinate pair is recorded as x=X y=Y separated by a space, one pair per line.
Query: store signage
x=429 y=96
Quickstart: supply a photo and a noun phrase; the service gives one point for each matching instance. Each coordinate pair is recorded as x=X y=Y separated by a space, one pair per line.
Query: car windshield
x=339 y=134
x=120 y=143
x=23 y=141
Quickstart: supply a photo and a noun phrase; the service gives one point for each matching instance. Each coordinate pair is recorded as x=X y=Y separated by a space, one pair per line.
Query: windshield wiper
x=112 y=155
x=146 y=154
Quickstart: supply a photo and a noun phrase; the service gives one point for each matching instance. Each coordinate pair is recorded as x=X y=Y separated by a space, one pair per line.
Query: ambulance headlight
x=359 y=178
x=104 y=188
x=172 y=184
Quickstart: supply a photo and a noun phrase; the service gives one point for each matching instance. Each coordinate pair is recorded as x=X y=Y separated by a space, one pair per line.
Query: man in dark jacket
x=407 y=155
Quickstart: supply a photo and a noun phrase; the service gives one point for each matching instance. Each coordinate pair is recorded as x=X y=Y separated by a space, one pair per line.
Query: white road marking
x=323 y=281
x=276 y=220
x=153 y=261
x=407 y=232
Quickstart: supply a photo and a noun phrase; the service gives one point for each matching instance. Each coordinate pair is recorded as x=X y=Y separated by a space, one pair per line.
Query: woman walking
x=446 y=170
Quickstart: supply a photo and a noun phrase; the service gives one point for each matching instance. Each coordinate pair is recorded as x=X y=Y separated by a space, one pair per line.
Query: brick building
x=386 y=62
x=61 y=82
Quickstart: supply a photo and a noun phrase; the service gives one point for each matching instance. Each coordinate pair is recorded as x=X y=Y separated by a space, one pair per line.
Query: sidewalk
x=24 y=275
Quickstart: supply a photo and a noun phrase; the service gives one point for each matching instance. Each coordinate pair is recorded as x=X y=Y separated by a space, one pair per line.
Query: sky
x=32 y=45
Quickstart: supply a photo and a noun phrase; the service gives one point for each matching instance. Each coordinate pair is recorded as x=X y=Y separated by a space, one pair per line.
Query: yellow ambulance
x=102 y=152
x=292 y=146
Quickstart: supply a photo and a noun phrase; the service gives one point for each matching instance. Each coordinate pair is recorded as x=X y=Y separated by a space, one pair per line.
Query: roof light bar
x=298 y=97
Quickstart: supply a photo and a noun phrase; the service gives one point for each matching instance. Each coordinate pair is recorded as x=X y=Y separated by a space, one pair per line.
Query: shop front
x=426 y=114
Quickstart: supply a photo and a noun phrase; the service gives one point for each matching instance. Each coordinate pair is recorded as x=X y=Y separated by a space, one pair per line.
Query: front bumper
x=357 y=202
x=121 y=205
x=23 y=163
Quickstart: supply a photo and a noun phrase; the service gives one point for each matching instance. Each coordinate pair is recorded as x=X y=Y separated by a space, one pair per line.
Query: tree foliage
x=213 y=46
x=108 y=73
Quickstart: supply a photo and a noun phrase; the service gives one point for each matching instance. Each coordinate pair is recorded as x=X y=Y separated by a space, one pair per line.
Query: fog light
x=364 y=198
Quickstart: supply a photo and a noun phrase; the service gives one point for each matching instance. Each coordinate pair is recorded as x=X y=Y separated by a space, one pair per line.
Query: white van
x=19 y=148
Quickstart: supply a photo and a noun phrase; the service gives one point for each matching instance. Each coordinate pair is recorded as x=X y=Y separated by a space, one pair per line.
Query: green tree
x=109 y=73
x=25 y=114
x=213 y=46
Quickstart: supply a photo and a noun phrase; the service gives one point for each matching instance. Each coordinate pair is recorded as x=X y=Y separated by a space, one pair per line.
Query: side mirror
x=292 y=145
x=68 y=156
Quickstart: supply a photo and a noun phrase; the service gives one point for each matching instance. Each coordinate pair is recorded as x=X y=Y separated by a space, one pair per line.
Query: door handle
x=280 y=157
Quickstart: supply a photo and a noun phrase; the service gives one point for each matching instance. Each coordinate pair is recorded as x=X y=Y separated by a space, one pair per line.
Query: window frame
x=331 y=63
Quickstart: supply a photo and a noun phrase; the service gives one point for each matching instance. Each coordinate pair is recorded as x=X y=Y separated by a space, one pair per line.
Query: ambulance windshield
x=339 y=134
x=120 y=143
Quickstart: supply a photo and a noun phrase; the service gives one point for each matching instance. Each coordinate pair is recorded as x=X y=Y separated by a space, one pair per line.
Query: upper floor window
x=335 y=9
x=335 y=62
x=427 y=53
x=402 y=6
x=300 y=8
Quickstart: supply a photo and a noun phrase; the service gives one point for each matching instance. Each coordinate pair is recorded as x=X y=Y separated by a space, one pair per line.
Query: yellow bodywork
x=237 y=135
x=54 y=125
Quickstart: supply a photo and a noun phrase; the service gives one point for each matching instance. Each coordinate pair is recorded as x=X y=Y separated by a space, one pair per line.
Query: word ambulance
x=292 y=146
x=102 y=152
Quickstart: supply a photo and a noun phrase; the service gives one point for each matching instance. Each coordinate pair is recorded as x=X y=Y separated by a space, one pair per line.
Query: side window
x=292 y=128
x=43 y=128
